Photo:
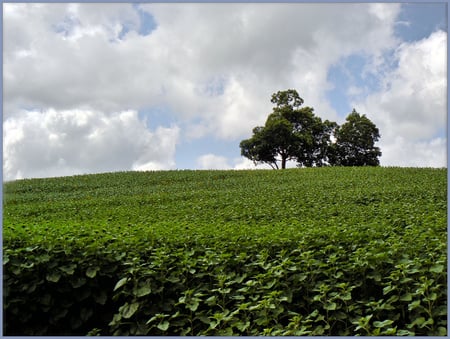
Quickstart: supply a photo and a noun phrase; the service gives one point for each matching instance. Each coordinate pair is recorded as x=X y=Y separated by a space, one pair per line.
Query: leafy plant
x=320 y=251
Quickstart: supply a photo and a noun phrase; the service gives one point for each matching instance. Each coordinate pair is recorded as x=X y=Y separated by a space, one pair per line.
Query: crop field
x=314 y=251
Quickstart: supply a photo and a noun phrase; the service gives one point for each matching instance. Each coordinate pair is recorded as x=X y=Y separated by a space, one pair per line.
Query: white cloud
x=72 y=58
x=244 y=164
x=402 y=152
x=218 y=162
x=257 y=48
x=212 y=161
x=260 y=49
x=56 y=143
x=410 y=110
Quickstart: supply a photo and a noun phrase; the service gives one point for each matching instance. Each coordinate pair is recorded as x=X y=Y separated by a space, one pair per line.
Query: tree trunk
x=283 y=162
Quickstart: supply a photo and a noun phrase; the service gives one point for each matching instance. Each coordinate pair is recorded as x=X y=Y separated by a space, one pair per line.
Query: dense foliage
x=315 y=251
x=355 y=142
x=295 y=133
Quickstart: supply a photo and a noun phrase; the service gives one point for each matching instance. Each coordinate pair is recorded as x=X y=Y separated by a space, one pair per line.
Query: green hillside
x=314 y=251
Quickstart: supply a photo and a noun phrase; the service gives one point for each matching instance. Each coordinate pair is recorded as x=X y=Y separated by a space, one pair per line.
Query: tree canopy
x=355 y=142
x=292 y=132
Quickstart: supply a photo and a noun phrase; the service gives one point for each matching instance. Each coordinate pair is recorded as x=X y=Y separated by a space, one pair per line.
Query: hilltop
x=313 y=197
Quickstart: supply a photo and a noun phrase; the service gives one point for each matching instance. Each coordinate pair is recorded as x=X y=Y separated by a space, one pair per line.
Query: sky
x=104 y=87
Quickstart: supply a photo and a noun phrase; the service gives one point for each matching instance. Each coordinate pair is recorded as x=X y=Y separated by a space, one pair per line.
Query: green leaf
x=318 y=330
x=432 y=297
x=120 y=283
x=413 y=305
x=241 y=326
x=68 y=269
x=163 y=326
x=417 y=322
x=185 y=331
x=53 y=276
x=155 y=317
x=78 y=282
x=442 y=331
x=375 y=276
x=173 y=279
x=330 y=306
x=193 y=305
x=346 y=297
x=116 y=320
x=381 y=324
x=405 y=333
x=129 y=309
x=375 y=332
x=101 y=298
x=27 y=265
x=261 y=320
x=406 y=297
x=204 y=319
x=213 y=324
x=226 y=332
x=438 y=268
x=91 y=272
x=211 y=301
x=388 y=289
x=340 y=315
x=238 y=297
x=142 y=291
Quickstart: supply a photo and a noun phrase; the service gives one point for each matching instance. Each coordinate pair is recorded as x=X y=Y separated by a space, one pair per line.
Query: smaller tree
x=355 y=142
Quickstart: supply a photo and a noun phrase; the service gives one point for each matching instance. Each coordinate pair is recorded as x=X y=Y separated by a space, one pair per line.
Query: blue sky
x=106 y=87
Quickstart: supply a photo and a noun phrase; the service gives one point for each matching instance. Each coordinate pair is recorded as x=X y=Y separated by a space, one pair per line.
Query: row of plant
x=301 y=252
x=312 y=286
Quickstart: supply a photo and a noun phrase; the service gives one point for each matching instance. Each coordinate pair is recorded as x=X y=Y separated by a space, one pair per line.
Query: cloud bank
x=410 y=108
x=55 y=143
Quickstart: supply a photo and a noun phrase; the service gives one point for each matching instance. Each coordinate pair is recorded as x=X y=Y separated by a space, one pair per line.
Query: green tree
x=291 y=132
x=355 y=142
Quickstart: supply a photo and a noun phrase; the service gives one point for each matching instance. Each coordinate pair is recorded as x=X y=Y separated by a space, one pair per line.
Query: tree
x=355 y=142
x=320 y=145
x=290 y=133
x=269 y=143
